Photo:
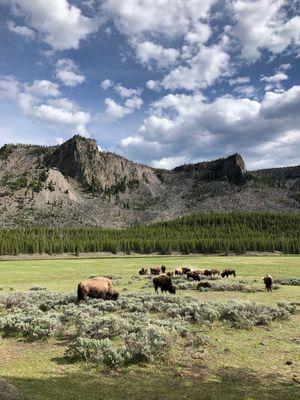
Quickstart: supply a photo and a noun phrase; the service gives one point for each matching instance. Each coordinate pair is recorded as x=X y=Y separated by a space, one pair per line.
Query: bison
x=155 y=270
x=215 y=272
x=169 y=273
x=227 y=272
x=268 y=281
x=178 y=271
x=163 y=269
x=193 y=275
x=96 y=288
x=185 y=270
x=143 y=271
x=207 y=272
x=204 y=285
x=163 y=282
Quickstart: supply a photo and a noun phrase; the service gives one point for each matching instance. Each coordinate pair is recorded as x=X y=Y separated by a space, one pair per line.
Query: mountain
x=75 y=184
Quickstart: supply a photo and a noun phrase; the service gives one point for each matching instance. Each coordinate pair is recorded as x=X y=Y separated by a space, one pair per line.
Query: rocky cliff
x=75 y=184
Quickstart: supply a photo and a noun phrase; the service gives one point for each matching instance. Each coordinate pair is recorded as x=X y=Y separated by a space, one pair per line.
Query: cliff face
x=76 y=184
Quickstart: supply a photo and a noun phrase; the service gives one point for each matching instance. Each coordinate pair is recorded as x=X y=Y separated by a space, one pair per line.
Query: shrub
x=30 y=323
x=288 y=281
x=93 y=350
x=146 y=344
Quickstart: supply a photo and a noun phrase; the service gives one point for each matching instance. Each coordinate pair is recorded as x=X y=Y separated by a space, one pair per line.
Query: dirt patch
x=9 y=392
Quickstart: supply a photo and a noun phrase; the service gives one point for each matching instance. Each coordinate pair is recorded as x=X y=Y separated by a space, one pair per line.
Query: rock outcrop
x=76 y=184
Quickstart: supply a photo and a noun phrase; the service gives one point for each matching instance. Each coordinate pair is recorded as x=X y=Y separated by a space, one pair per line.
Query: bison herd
x=102 y=287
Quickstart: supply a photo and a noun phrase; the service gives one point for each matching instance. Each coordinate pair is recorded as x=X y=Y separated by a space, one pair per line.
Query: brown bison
x=207 y=272
x=193 y=275
x=155 y=270
x=163 y=269
x=185 y=270
x=143 y=271
x=163 y=282
x=268 y=281
x=169 y=273
x=96 y=288
x=178 y=271
x=202 y=285
x=215 y=272
x=227 y=272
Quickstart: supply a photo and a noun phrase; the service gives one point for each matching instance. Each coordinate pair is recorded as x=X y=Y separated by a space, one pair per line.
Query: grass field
x=236 y=364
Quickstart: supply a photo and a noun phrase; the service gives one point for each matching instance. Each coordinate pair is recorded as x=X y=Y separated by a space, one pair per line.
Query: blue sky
x=164 y=82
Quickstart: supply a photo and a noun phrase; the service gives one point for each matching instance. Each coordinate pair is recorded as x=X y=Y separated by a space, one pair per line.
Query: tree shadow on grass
x=140 y=384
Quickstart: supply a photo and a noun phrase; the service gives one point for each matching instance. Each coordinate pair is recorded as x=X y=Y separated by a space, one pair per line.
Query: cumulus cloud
x=280 y=76
x=40 y=100
x=239 y=80
x=106 y=84
x=148 y=53
x=114 y=110
x=21 y=30
x=171 y=18
x=59 y=23
x=191 y=127
x=264 y=24
x=200 y=72
x=126 y=92
x=68 y=72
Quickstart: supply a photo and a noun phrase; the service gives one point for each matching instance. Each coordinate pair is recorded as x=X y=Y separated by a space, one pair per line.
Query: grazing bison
x=185 y=270
x=178 y=271
x=155 y=270
x=163 y=282
x=268 y=281
x=96 y=288
x=193 y=275
x=215 y=272
x=163 y=269
x=143 y=271
x=207 y=272
x=170 y=273
x=227 y=272
x=202 y=285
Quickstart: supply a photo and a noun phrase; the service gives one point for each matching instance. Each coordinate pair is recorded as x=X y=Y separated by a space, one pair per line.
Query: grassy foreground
x=237 y=364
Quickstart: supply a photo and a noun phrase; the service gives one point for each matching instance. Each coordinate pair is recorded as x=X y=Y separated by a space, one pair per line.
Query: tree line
x=200 y=233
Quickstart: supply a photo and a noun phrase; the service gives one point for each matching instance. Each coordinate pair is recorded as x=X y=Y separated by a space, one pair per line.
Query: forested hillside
x=200 y=233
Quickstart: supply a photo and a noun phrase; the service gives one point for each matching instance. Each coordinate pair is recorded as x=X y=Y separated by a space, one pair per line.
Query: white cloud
x=114 y=110
x=134 y=102
x=43 y=88
x=153 y=85
x=167 y=17
x=263 y=24
x=280 y=76
x=191 y=127
x=169 y=162
x=200 y=72
x=245 y=90
x=239 y=80
x=126 y=92
x=148 y=53
x=67 y=72
x=40 y=100
x=59 y=23
x=21 y=30
x=9 y=87
x=106 y=84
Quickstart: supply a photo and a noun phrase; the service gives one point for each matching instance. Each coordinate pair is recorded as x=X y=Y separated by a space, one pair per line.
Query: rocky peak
x=76 y=158
x=231 y=167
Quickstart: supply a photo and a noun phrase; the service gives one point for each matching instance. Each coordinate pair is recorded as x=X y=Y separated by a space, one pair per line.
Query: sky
x=162 y=82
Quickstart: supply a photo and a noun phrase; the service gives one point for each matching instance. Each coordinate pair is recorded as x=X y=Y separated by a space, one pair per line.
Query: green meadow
x=236 y=364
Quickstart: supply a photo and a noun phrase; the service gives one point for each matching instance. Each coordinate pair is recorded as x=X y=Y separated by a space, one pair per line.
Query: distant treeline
x=201 y=233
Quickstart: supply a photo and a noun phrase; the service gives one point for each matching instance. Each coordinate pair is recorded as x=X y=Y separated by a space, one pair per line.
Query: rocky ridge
x=75 y=184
